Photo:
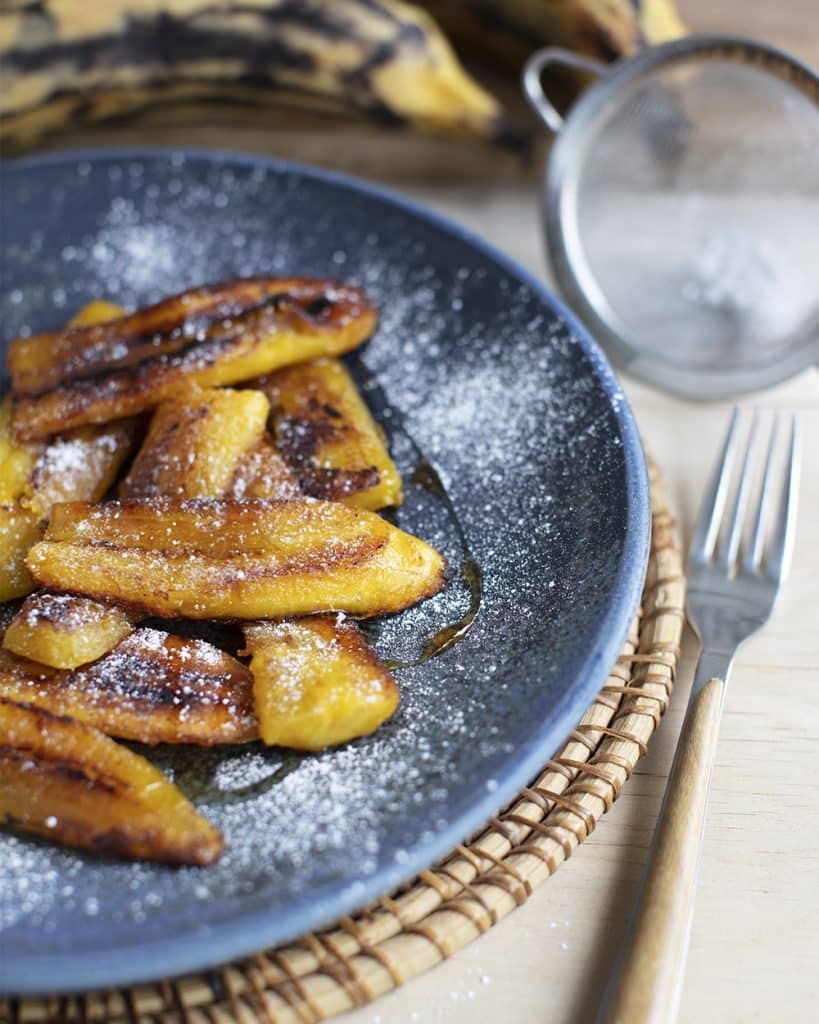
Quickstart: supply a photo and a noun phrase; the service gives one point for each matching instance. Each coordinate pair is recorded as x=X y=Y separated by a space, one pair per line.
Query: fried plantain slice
x=65 y=630
x=103 y=337
x=17 y=460
x=326 y=433
x=19 y=529
x=65 y=780
x=98 y=311
x=79 y=465
x=196 y=443
x=317 y=682
x=263 y=473
x=215 y=559
x=153 y=687
x=132 y=367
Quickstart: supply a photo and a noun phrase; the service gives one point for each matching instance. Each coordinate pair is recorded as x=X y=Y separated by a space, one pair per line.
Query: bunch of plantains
x=69 y=62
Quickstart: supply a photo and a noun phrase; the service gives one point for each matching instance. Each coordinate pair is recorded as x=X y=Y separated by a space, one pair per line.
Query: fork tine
x=779 y=554
x=728 y=551
x=713 y=501
x=752 y=556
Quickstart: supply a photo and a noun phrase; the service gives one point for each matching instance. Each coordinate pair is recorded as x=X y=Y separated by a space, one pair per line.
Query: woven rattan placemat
x=452 y=903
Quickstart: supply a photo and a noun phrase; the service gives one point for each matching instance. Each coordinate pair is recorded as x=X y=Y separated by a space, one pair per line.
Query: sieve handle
x=533 y=86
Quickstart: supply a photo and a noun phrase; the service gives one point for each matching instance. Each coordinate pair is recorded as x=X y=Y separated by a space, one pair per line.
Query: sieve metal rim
x=561 y=236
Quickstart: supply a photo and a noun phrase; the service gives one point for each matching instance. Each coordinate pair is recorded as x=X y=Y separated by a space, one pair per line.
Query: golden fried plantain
x=65 y=630
x=212 y=559
x=19 y=529
x=317 y=682
x=195 y=444
x=98 y=311
x=153 y=687
x=134 y=363
x=263 y=473
x=326 y=433
x=80 y=465
x=65 y=780
x=17 y=460
x=85 y=346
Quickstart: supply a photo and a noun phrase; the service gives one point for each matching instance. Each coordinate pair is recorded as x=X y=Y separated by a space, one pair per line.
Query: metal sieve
x=681 y=211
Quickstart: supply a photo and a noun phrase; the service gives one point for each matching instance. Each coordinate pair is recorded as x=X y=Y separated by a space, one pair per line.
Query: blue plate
x=477 y=371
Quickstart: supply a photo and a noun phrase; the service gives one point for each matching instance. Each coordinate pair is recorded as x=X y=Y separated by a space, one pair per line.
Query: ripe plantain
x=196 y=443
x=326 y=433
x=153 y=687
x=215 y=559
x=138 y=361
x=69 y=782
x=68 y=62
x=317 y=682
x=64 y=631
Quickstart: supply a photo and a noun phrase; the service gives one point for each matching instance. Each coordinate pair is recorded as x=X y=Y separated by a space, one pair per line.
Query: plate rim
x=248 y=932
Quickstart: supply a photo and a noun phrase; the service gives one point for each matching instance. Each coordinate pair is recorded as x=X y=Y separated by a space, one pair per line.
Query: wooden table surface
x=755 y=943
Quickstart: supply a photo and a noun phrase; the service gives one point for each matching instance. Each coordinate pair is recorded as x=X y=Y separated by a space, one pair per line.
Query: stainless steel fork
x=731 y=594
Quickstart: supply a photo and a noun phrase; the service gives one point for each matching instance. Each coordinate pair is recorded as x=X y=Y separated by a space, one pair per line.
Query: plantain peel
x=67 y=781
x=317 y=682
x=153 y=687
x=223 y=559
x=106 y=372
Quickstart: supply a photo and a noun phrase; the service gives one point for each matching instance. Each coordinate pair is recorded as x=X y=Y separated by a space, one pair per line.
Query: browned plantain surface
x=17 y=460
x=65 y=780
x=326 y=433
x=317 y=682
x=153 y=687
x=80 y=465
x=103 y=337
x=216 y=559
x=65 y=630
x=123 y=371
x=195 y=444
x=19 y=529
x=263 y=473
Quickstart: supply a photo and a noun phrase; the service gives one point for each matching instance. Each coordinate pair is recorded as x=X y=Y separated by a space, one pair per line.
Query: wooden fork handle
x=646 y=988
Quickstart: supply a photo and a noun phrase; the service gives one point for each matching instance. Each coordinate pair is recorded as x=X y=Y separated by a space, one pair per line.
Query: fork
x=731 y=594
